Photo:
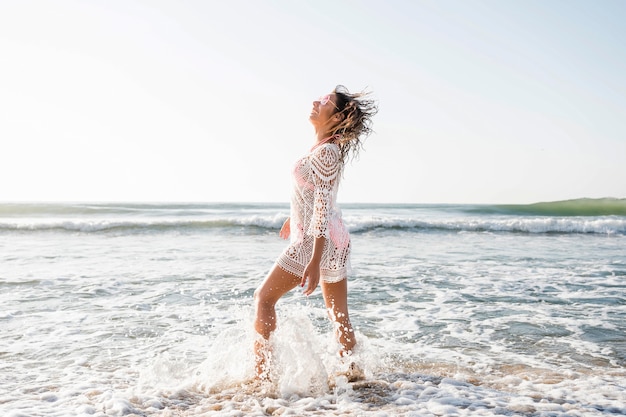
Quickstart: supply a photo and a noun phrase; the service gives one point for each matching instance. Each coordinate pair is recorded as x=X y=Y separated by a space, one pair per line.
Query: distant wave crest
x=510 y=224
x=594 y=216
x=102 y=225
x=356 y=224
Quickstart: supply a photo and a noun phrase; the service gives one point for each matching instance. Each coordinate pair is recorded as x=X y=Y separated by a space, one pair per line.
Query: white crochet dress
x=314 y=213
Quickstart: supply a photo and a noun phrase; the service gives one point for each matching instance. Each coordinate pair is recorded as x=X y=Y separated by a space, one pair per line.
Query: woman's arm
x=325 y=168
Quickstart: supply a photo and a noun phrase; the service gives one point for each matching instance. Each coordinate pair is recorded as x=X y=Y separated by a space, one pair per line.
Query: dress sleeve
x=326 y=166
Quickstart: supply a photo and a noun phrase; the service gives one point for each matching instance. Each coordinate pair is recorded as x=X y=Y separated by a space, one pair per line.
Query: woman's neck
x=322 y=139
x=322 y=134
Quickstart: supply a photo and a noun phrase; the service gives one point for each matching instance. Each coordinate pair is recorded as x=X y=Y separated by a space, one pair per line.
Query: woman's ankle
x=262 y=358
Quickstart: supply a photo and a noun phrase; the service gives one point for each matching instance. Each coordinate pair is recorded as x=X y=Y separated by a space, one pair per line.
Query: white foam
x=611 y=225
x=523 y=224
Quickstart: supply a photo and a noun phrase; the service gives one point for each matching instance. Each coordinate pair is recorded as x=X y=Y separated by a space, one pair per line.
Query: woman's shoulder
x=326 y=159
x=326 y=150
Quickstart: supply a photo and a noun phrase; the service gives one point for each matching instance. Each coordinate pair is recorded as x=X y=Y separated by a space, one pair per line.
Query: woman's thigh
x=277 y=283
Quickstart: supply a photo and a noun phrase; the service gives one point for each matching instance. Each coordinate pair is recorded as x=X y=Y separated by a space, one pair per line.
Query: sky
x=508 y=102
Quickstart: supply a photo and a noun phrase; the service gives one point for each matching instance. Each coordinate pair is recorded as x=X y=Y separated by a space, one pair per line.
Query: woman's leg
x=336 y=300
x=277 y=283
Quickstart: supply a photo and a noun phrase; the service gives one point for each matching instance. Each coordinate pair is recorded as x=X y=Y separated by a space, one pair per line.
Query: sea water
x=146 y=310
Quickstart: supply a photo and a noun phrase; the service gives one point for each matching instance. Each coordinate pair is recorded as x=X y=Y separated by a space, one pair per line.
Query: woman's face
x=323 y=110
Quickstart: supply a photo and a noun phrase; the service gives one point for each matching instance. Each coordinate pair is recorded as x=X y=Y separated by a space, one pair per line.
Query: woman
x=320 y=243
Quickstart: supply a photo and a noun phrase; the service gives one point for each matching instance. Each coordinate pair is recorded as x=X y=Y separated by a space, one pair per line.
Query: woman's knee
x=264 y=299
x=259 y=298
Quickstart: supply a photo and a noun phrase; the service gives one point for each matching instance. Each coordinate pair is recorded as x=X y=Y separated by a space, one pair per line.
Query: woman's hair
x=356 y=124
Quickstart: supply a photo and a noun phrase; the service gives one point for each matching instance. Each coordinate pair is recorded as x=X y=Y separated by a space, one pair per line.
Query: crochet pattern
x=314 y=213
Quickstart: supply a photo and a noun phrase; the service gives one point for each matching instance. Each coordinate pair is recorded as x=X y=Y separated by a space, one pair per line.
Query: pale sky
x=480 y=101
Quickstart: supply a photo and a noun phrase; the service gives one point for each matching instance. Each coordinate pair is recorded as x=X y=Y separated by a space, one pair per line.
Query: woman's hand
x=285 y=231
x=312 y=275
x=312 y=270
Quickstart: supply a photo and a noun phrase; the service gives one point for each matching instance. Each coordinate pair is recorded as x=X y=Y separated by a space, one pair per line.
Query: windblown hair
x=356 y=124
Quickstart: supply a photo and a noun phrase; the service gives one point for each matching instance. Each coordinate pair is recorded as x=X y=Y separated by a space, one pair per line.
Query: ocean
x=117 y=309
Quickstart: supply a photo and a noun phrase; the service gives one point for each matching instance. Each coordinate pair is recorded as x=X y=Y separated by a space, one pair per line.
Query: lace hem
x=287 y=264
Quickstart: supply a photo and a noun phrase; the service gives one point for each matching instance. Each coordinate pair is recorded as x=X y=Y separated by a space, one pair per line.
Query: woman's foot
x=352 y=373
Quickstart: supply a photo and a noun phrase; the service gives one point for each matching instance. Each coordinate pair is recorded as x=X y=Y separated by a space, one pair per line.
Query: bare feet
x=354 y=373
x=351 y=373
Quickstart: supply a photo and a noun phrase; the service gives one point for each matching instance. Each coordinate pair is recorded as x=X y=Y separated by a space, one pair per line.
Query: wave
x=576 y=207
x=103 y=225
x=356 y=224
x=598 y=216
x=609 y=226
